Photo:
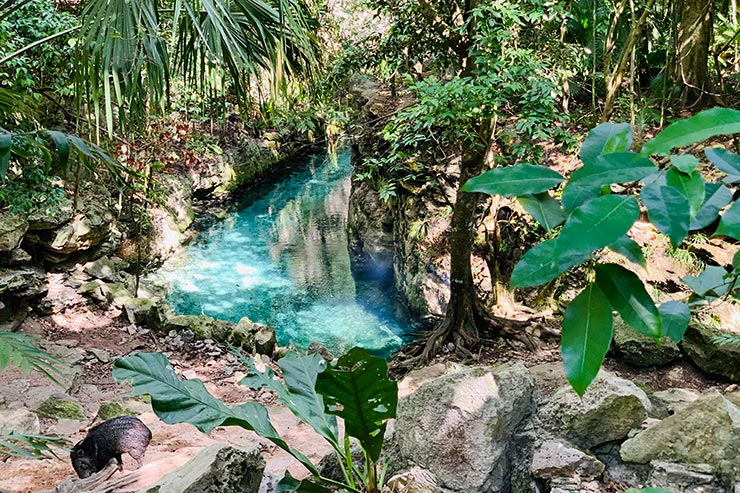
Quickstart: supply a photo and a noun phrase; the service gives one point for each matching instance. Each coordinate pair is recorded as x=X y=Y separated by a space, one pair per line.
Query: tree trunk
x=693 y=36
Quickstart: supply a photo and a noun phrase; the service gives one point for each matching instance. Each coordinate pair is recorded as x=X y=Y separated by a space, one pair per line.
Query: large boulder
x=459 y=426
x=609 y=409
x=707 y=431
x=216 y=469
x=12 y=229
x=640 y=349
x=709 y=355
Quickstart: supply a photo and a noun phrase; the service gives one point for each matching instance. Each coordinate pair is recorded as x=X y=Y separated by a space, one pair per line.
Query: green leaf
x=62 y=144
x=668 y=210
x=545 y=209
x=177 y=401
x=521 y=179
x=729 y=225
x=700 y=127
x=627 y=295
x=291 y=485
x=675 y=317
x=298 y=394
x=736 y=262
x=358 y=390
x=6 y=142
x=716 y=196
x=629 y=249
x=726 y=161
x=711 y=282
x=544 y=262
x=598 y=223
x=19 y=351
x=586 y=336
x=605 y=139
x=686 y=163
x=620 y=167
x=690 y=185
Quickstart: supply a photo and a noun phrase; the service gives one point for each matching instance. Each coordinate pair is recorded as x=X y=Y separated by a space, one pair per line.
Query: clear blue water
x=282 y=260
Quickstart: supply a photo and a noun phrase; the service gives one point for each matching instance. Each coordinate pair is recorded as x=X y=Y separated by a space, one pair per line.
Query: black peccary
x=110 y=439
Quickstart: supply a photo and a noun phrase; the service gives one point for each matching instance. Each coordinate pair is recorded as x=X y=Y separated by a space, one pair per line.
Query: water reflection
x=282 y=260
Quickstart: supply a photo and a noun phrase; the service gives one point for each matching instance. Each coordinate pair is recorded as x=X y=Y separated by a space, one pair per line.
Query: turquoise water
x=282 y=260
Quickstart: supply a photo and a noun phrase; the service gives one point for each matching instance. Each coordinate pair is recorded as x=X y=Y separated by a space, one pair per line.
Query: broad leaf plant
x=587 y=216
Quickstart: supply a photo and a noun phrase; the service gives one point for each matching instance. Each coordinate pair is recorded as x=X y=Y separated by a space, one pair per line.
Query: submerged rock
x=216 y=469
x=460 y=426
x=609 y=409
x=707 y=431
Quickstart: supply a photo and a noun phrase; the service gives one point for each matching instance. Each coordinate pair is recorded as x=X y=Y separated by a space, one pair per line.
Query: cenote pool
x=282 y=260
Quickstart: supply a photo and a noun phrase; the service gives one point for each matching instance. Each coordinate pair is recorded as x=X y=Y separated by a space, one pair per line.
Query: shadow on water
x=281 y=259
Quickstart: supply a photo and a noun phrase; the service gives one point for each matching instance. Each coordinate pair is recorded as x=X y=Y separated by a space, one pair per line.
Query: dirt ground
x=82 y=330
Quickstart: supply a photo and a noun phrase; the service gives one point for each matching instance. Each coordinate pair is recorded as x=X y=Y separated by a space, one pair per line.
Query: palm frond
x=29 y=445
x=18 y=350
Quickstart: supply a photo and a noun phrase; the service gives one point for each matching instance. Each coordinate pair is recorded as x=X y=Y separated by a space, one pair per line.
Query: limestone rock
x=688 y=478
x=718 y=359
x=43 y=219
x=640 y=349
x=609 y=409
x=123 y=407
x=555 y=459
x=202 y=326
x=26 y=282
x=265 y=340
x=669 y=401
x=416 y=480
x=12 y=230
x=19 y=420
x=707 y=431
x=61 y=406
x=106 y=268
x=137 y=309
x=459 y=426
x=216 y=469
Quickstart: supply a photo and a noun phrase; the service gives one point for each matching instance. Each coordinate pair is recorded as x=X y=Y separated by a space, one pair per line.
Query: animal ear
x=80 y=452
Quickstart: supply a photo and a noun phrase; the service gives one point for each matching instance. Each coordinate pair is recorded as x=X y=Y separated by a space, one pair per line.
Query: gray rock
x=669 y=401
x=106 y=268
x=23 y=282
x=641 y=350
x=609 y=409
x=707 y=431
x=265 y=340
x=61 y=406
x=137 y=309
x=101 y=355
x=460 y=425
x=718 y=359
x=122 y=407
x=12 y=230
x=216 y=469
x=19 y=420
x=555 y=459
x=44 y=219
x=684 y=478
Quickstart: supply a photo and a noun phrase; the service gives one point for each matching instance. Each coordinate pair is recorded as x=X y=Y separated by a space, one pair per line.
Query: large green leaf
x=357 y=389
x=629 y=248
x=6 y=142
x=298 y=394
x=727 y=161
x=729 y=225
x=685 y=163
x=544 y=262
x=690 y=185
x=675 y=317
x=598 y=223
x=521 y=179
x=177 y=401
x=605 y=139
x=289 y=484
x=703 y=125
x=586 y=336
x=62 y=144
x=712 y=282
x=620 y=167
x=668 y=210
x=545 y=209
x=627 y=295
x=716 y=196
